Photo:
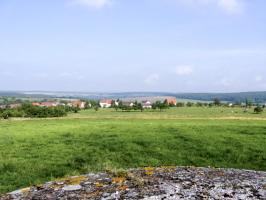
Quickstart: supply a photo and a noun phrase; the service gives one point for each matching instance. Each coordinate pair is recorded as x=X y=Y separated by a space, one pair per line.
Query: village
x=141 y=102
x=146 y=103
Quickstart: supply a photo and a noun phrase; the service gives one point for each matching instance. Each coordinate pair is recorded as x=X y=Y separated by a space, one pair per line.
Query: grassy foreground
x=35 y=151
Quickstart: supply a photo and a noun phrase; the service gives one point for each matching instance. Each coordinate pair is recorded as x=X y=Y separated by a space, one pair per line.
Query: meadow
x=33 y=151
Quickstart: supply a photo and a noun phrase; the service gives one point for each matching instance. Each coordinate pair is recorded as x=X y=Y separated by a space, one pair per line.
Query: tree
x=120 y=105
x=160 y=105
x=171 y=104
x=94 y=103
x=217 y=102
x=248 y=103
x=116 y=107
x=76 y=109
x=140 y=107
x=190 y=104
x=180 y=104
x=154 y=106
x=96 y=108
x=166 y=104
x=258 y=109
x=135 y=105
x=87 y=104
x=113 y=104
x=199 y=104
x=5 y=115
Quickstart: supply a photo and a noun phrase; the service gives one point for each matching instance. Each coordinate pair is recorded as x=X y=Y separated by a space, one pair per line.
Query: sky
x=126 y=45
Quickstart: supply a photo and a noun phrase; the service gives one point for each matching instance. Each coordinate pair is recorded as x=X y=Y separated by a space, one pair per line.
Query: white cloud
x=183 y=70
x=8 y=74
x=65 y=74
x=92 y=3
x=258 y=78
x=40 y=75
x=80 y=77
x=72 y=76
x=229 y=6
x=239 y=52
x=152 y=79
x=226 y=82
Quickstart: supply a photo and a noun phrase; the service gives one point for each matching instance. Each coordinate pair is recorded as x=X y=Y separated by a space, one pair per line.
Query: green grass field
x=34 y=151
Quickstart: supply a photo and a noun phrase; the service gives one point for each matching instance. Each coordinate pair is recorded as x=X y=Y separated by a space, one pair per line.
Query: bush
x=43 y=112
x=76 y=109
x=190 y=104
x=180 y=104
x=11 y=113
x=28 y=110
x=217 y=102
x=96 y=108
x=5 y=115
x=199 y=104
x=160 y=105
x=258 y=109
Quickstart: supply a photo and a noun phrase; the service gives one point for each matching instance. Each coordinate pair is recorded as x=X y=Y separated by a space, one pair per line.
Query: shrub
x=180 y=104
x=43 y=112
x=217 y=102
x=199 y=104
x=96 y=108
x=190 y=104
x=5 y=115
x=258 y=109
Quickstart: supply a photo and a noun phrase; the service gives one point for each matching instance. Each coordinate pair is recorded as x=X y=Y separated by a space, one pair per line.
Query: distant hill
x=256 y=97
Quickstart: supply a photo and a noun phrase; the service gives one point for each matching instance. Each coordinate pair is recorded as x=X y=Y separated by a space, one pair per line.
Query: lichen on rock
x=152 y=184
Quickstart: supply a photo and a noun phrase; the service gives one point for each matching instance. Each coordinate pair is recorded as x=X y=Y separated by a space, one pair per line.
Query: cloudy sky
x=126 y=45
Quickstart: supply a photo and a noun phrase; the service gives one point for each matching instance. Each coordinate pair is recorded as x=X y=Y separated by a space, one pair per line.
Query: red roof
x=171 y=100
x=107 y=101
x=78 y=103
x=48 y=104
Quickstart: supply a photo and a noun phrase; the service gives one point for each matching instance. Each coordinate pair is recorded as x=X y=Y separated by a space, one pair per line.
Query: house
x=171 y=100
x=146 y=104
x=15 y=105
x=129 y=104
x=49 y=104
x=106 y=103
x=36 y=104
x=69 y=104
x=2 y=106
x=61 y=104
x=45 y=104
x=78 y=104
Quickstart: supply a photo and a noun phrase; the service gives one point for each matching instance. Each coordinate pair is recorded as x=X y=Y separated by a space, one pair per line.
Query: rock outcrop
x=152 y=184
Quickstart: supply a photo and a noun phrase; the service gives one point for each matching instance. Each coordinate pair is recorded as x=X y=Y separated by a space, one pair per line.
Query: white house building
x=146 y=105
x=106 y=103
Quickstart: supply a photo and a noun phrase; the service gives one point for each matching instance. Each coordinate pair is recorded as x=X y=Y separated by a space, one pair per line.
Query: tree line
x=158 y=105
x=29 y=111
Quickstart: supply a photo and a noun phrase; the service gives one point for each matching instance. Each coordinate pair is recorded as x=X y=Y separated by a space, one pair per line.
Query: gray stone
x=163 y=183
x=72 y=188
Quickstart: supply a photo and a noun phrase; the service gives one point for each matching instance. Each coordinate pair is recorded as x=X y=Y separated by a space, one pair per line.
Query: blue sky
x=140 y=45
